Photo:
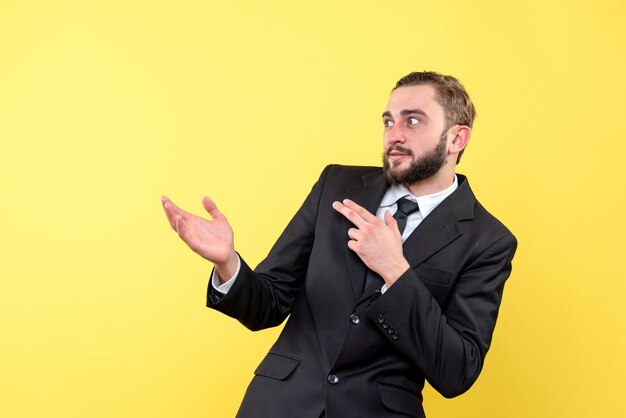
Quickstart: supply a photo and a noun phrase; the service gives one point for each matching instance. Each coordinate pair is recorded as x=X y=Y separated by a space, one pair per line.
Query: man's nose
x=395 y=135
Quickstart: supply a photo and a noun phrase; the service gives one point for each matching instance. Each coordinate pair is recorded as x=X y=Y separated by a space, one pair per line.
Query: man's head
x=450 y=94
x=428 y=123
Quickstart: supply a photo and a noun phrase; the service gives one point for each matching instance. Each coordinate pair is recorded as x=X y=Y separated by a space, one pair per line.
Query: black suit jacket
x=356 y=354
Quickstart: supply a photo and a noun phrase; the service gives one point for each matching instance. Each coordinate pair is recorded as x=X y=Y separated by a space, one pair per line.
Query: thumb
x=391 y=222
x=211 y=207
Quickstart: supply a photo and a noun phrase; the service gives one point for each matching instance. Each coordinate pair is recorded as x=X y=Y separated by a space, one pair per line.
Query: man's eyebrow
x=406 y=112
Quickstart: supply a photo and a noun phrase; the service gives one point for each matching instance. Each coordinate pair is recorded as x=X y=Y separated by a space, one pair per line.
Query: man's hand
x=212 y=239
x=377 y=243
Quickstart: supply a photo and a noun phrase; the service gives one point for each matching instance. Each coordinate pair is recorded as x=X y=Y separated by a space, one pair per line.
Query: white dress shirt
x=426 y=203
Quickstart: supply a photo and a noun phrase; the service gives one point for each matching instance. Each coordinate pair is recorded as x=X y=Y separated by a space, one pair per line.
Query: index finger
x=350 y=214
x=363 y=213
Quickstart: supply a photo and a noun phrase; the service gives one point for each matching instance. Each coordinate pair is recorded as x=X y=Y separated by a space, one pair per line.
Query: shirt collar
x=427 y=203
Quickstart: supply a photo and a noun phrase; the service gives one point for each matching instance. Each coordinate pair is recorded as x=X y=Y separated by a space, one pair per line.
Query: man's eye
x=388 y=123
x=414 y=121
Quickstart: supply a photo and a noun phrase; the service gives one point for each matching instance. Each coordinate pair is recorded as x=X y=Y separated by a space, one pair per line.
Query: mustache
x=398 y=148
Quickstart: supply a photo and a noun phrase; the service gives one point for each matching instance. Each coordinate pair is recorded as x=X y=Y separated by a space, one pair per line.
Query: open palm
x=211 y=239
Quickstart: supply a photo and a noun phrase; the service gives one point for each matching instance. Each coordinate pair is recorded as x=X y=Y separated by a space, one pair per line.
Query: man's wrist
x=228 y=269
x=396 y=272
x=224 y=286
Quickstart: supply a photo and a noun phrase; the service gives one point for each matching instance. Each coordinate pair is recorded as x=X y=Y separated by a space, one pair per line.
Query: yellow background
x=106 y=105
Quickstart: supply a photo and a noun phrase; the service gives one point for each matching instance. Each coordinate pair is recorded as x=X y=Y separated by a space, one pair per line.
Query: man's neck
x=434 y=184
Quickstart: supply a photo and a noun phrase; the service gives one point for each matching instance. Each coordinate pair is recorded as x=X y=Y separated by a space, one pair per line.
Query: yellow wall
x=106 y=105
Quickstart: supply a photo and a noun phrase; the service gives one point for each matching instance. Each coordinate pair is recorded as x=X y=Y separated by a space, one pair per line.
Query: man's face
x=415 y=137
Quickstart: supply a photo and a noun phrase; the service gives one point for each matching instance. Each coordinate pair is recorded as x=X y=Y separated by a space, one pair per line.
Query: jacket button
x=385 y=325
x=355 y=319
x=395 y=336
x=333 y=379
x=381 y=319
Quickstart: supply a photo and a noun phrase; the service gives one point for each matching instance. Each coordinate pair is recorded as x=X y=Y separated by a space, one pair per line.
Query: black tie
x=405 y=208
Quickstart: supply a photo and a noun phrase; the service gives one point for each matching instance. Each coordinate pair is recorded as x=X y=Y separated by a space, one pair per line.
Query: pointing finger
x=363 y=213
x=350 y=214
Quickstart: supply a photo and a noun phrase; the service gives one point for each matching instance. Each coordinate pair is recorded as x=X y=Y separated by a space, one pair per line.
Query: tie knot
x=407 y=206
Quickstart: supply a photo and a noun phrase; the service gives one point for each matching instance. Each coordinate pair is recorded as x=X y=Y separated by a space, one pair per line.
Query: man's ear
x=460 y=139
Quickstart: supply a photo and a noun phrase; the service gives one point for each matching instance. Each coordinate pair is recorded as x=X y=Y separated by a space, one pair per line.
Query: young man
x=390 y=276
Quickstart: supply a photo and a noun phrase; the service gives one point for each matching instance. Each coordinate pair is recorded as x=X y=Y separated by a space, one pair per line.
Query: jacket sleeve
x=448 y=345
x=260 y=300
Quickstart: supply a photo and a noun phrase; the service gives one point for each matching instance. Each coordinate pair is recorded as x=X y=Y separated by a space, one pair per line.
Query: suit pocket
x=434 y=274
x=277 y=366
x=400 y=400
x=438 y=281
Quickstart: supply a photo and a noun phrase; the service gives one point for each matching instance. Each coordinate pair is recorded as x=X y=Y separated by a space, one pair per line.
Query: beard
x=420 y=169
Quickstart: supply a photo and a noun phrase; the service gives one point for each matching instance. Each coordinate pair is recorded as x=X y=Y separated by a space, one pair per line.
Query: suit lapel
x=435 y=232
x=368 y=194
x=441 y=226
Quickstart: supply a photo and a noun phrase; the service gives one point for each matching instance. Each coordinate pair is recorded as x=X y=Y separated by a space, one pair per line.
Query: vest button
x=333 y=379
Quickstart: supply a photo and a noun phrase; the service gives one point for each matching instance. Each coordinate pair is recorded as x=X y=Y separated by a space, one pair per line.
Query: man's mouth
x=395 y=154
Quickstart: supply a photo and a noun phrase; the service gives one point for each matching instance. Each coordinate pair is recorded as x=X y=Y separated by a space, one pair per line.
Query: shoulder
x=350 y=173
x=492 y=225
x=488 y=224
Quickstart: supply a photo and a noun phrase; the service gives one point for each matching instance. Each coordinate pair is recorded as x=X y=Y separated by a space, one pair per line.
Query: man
x=377 y=303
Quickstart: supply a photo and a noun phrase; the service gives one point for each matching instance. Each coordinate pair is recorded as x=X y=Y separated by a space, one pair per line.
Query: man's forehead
x=422 y=97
